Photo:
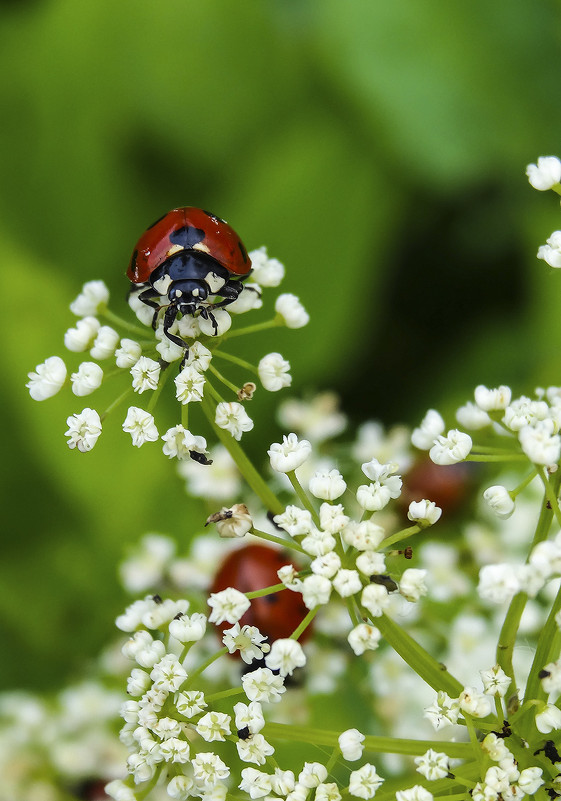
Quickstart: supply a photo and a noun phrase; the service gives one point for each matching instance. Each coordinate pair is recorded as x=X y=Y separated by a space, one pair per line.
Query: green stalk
x=303 y=496
x=426 y=666
x=546 y=651
x=285 y=543
x=246 y=468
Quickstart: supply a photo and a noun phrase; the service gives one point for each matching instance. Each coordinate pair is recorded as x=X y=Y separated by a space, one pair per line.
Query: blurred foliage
x=378 y=149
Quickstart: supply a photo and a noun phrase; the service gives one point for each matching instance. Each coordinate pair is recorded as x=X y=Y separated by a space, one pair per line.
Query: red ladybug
x=188 y=255
x=253 y=568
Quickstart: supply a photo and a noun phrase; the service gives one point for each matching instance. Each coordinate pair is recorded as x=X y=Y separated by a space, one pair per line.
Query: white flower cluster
x=544 y=175
x=147 y=362
x=505 y=780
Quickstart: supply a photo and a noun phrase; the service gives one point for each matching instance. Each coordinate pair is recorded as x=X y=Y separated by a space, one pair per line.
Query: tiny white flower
x=255 y=783
x=180 y=787
x=317 y=419
x=119 y=791
x=180 y=443
x=551 y=677
x=500 y=501
x=169 y=351
x=347 y=583
x=524 y=411
x=285 y=655
x=105 y=343
x=213 y=726
x=327 y=791
x=371 y=563
x=208 y=769
x=288 y=575
x=83 y=430
x=87 y=379
x=495 y=681
x=145 y=374
x=233 y=522
x=364 y=782
x=492 y=400
x=295 y=521
x=283 y=781
x=81 y=337
x=431 y=427
x=188 y=628
x=472 y=417
x=249 y=716
x=221 y=318
x=424 y=513
x=328 y=485
x=47 y=379
x=263 y=685
x=375 y=598
x=168 y=674
x=365 y=536
x=385 y=485
x=189 y=385
x=474 y=703
x=274 y=372
x=350 y=744
x=416 y=793
x=315 y=591
x=233 y=417
x=548 y=719
x=267 y=272
x=433 y=765
x=138 y=682
x=444 y=711
x=498 y=583
x=93 y=299
x=495 y=747
x=332 y=517
x=540 y=444
x=140 y=425
x=290 y=454
x=530 y=780
x=551 y=251
x=452 y=448
x=292 y=311
x=248 y=299
x=312 y=774
x=318 y=543
x=364 y=637
x=254 y=749
x=128 y=353
x=199 y=357
x=248 y=640
x=326 y=565
x=412 y=584
x=190 y=703
x=228 y=605
x=545 y=174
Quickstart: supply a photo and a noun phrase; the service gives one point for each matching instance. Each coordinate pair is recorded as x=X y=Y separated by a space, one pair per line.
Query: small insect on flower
x=186 y=257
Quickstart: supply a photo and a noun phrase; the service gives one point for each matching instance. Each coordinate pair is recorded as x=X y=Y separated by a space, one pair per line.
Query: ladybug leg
x=148 y=297
x=207 y=314
x=230 y=292
x=169 y=319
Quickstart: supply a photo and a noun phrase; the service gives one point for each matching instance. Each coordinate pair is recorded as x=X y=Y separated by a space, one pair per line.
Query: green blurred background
x=378 y=150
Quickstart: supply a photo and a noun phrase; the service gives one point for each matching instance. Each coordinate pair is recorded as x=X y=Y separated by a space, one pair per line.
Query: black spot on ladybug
x=214 y=216
x=244 y=733
x=187 y=236
x=243 y=251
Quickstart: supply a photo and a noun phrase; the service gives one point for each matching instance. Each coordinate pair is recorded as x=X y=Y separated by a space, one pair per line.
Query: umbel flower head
x=187 y=304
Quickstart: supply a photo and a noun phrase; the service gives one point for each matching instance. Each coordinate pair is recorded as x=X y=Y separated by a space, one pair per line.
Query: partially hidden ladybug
x=254 y=567
x=188 y=255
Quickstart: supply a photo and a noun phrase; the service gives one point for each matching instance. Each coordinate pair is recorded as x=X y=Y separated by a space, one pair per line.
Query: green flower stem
x=224 y=694
x=382 y=745
x=551 y=493
x=426 y=666
x=508 y=456
x=285 y=543
x=353 y=612
x=479 y=755
x=140 y=794
x=215 y=394
x=304 y=624
x=185 y=416
x=156 y=394
x=252 y=329
x=223 y=379
x=246 y=468
x=236 y=360
x=546 y=651
x=507 y=637
x=117 y=402
x=203 y=667
x=401 y=535
x=523 y=484
x=303 y=496
x=265 y=591
x=111 y=317
x=332 y=761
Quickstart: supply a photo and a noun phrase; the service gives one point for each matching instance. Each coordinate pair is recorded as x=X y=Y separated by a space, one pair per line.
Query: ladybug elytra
x=187 y=256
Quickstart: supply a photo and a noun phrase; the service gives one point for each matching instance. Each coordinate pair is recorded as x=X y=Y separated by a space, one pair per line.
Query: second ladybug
x=187 y=256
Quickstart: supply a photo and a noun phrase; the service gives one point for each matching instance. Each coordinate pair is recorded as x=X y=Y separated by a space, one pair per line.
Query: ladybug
x=187 y=256
x=254 y=567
